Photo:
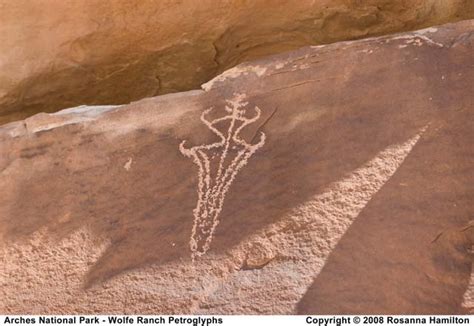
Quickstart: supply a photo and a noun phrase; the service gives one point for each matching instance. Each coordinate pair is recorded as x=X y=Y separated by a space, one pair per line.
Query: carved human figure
x=218 y=165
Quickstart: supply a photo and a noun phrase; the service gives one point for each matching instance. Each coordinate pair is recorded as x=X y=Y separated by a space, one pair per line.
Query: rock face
x=59 y=54
x=358 y=200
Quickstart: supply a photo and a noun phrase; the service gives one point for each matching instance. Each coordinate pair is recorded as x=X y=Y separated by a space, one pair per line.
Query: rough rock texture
x=359 y=201
x=58 y=54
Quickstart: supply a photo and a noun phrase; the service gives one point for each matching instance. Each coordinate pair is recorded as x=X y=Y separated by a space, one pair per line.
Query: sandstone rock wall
x=59 y=54
x=359 y=201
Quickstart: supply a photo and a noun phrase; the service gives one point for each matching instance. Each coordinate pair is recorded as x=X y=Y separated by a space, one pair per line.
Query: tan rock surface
x=358 y=202
x=58 y=54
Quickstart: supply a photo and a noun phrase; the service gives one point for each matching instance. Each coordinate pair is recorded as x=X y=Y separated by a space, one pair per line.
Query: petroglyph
x=128 y=165
x=218 y=165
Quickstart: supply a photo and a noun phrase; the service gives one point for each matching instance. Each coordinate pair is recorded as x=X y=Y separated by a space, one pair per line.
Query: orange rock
x=59 y=54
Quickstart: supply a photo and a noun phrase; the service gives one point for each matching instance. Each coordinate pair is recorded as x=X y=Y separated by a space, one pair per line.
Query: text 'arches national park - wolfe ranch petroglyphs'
x=219 y=164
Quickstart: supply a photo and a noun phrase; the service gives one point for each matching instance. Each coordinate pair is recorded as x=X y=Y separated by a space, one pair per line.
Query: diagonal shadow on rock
x=393 y=259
